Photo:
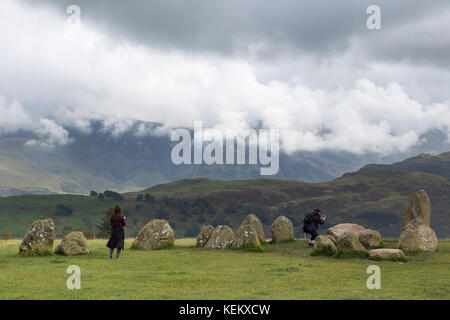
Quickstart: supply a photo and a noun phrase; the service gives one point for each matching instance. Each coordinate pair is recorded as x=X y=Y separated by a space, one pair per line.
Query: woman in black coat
x=117 y=238
x=311 y=224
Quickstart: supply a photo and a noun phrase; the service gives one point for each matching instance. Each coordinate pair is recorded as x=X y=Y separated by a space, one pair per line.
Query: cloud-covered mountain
x=100 y=160
x=311 y=70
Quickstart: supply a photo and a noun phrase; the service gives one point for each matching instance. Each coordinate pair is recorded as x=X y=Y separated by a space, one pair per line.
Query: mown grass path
x=283 y=271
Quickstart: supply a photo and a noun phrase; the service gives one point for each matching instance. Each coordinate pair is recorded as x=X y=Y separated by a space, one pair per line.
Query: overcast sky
x=311 y=69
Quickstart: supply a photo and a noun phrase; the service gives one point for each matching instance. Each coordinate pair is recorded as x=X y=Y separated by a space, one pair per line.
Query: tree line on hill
x=199 y=211
x=107 y=194
x=192 y=213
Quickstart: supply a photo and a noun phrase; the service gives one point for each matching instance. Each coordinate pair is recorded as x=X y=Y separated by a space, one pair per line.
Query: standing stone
x=417 y=237
x=157 y=234
x=254 y=221
x=331 y=238
x=349 y=243
x=39 y=240
x=74 y=243
x=340 y=229
x=246 y=237
x=419 y=209
x=416 y=232
x=282 y=229
x=325 y=244
x=369 y=238
x=204 y=236
x=221 y=238
x=384 y=254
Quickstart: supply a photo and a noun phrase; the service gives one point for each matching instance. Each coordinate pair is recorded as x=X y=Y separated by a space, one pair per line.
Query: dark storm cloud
x=321 y=28
x=305 y=68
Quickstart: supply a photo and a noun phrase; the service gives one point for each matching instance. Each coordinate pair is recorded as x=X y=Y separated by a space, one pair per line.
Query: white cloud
x=13 y=117
x=50 y=135
x=66 y=77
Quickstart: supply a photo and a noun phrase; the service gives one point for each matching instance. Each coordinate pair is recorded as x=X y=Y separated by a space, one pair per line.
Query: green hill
x=374 y=197
x=432 y=163
x=101 y=160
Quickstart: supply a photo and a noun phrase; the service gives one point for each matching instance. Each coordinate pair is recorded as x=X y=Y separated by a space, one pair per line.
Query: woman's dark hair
x=116 y=214
x=317 y=210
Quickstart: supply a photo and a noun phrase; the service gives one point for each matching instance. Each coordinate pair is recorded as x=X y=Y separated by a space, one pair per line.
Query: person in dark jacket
x=117 y=238
x=311 y=224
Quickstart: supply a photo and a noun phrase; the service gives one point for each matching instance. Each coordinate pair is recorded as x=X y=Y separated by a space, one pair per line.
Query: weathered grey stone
x=340 y=229
x=325 y=244
x=246 y=237
x=204 y=235
x=39 y=240
x=254 y=221
x=221 y=238
x=349 y=243
x=369 y=238
x=331 y=238
x=417 y=237
x=72 y=244
x=157 y=234
x=385 y=254
x=282 y=229
x=419 y=208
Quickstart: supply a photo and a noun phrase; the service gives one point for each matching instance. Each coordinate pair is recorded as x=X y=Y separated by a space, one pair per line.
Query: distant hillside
x=373 y=197
x=438 y=164
x=100 y=160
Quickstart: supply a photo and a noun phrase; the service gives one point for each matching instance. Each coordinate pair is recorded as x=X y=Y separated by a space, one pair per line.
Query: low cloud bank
x=54 y=77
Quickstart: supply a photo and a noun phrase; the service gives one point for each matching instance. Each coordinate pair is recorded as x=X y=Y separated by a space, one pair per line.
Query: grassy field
x=282 y=271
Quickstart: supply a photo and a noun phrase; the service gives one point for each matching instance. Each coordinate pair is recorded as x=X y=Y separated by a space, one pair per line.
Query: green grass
x=402 y=258
x=339 y=255
x=282 y=271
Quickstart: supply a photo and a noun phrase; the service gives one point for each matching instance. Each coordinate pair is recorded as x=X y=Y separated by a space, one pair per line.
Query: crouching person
x=311 y=224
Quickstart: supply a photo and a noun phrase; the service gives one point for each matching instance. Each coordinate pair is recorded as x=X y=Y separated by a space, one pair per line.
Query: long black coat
x=117 y=239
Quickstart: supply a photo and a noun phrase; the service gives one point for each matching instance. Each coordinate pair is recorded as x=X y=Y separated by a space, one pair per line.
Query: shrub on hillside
x=63 y=210
x=113 y=195
x=149 y=198
x=221 y=219
x=211 y=211
x=104 y=226
x=233 y=208
x=201 y=203
x=67 y=229
x=192 y=231
x=201 y=219
x=162 y=214
x=184 y=211
x=264 y=215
